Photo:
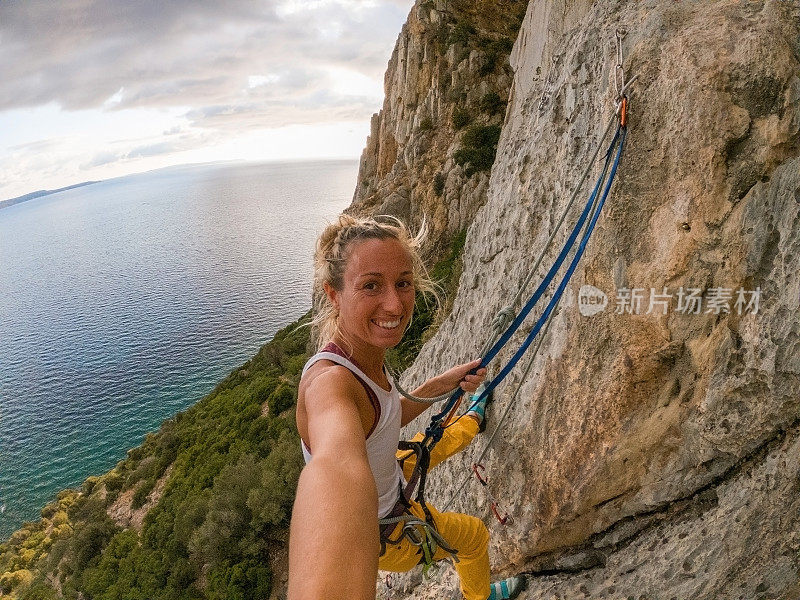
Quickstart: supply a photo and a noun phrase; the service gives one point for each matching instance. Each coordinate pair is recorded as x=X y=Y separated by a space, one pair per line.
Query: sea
x=125 y=301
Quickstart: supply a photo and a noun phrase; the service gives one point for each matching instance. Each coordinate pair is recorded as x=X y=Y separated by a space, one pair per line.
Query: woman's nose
x=392 y=302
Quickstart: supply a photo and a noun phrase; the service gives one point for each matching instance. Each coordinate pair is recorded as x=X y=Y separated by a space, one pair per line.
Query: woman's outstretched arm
x=333 y=541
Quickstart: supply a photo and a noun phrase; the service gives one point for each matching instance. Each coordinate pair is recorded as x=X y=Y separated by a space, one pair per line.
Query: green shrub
x=261 y=388
x=142 y=492
x=248 y=580
x=89 y=484
x=136 y=454
x=270 y=503
x=114 y=482
x=501 y=45
x=144 y=469
x=479 y=150
x=494 y=50
x=87 y=508
x=482 y=136
x=294 y=366
x=47 y=512
x=489 y=64
x=461 y=118
x=492 y=104
x=39 y=590
x=504 y=45
x=88 y=541
x=425 y=125
x=461 y=34
x=281 y=399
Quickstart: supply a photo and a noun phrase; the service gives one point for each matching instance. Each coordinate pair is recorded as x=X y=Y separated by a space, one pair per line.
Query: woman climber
x=349 y=415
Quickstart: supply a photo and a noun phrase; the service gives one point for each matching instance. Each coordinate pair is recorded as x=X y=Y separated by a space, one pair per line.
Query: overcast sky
x=93 y=89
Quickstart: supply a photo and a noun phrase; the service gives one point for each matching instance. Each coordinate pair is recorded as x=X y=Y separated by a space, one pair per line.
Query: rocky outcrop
x=448 y=73
x=122 y=511
x=650 y=453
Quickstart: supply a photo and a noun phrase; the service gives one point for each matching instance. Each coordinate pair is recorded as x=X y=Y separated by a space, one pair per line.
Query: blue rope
x=435 y=429
x=595 y=209
x=567 y=276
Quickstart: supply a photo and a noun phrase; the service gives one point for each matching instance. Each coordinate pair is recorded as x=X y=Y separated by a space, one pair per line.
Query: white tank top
x=383 y=437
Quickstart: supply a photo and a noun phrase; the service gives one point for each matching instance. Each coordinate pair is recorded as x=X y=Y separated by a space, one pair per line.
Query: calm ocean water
x=124 y=302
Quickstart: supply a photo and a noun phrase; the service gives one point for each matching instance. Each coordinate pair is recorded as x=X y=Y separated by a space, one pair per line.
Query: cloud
x=117 y=54
x=93 y=88
x=100 y=159
x=178 y=141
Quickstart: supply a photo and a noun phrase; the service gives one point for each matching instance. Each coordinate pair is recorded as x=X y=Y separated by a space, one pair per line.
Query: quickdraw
x=506 y=518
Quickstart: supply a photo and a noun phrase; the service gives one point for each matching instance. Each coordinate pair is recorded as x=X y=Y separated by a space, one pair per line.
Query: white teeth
x=387 y=324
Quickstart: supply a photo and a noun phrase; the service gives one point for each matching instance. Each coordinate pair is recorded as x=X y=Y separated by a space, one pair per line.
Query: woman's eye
x=405 y=284
x=371 y=286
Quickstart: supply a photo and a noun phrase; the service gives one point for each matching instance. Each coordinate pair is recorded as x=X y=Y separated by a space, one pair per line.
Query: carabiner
x=475 y=467
x=504 y=519
x=620 y=33
x=623 y=112
x=620 y=85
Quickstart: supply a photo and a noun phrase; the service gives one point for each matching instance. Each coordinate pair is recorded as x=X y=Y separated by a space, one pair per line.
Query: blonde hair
x=334 y=248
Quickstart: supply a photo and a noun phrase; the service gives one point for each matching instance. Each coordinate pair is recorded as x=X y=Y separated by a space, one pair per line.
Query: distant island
x=40 y=193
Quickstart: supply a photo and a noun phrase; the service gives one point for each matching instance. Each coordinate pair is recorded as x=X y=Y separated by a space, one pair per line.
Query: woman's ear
x=332 y=294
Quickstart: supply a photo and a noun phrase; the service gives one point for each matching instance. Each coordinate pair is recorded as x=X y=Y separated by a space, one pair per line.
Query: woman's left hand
x=445 y=383
x=459 y=376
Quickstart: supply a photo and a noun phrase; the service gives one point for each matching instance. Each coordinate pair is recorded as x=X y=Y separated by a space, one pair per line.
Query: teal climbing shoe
x=507 y=588
x=479 y=409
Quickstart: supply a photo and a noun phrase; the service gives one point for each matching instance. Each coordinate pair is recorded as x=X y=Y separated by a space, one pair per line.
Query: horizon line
x=35 y=194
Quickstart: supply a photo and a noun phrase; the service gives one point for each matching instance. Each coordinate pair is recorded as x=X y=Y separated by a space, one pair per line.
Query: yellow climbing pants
x=464 y=533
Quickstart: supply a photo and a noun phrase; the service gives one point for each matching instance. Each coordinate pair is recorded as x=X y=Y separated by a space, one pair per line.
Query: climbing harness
x=421 y=533
x=505 y=325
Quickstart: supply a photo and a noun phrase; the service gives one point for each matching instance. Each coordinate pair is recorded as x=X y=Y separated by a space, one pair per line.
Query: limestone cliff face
x=648 y=454
x=451 y=57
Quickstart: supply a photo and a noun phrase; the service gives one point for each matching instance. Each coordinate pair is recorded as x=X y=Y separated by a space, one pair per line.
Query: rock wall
x=649 y=454
x=450 y=56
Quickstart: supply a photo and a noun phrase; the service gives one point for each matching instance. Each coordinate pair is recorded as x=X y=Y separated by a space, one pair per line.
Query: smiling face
x=376 y=301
